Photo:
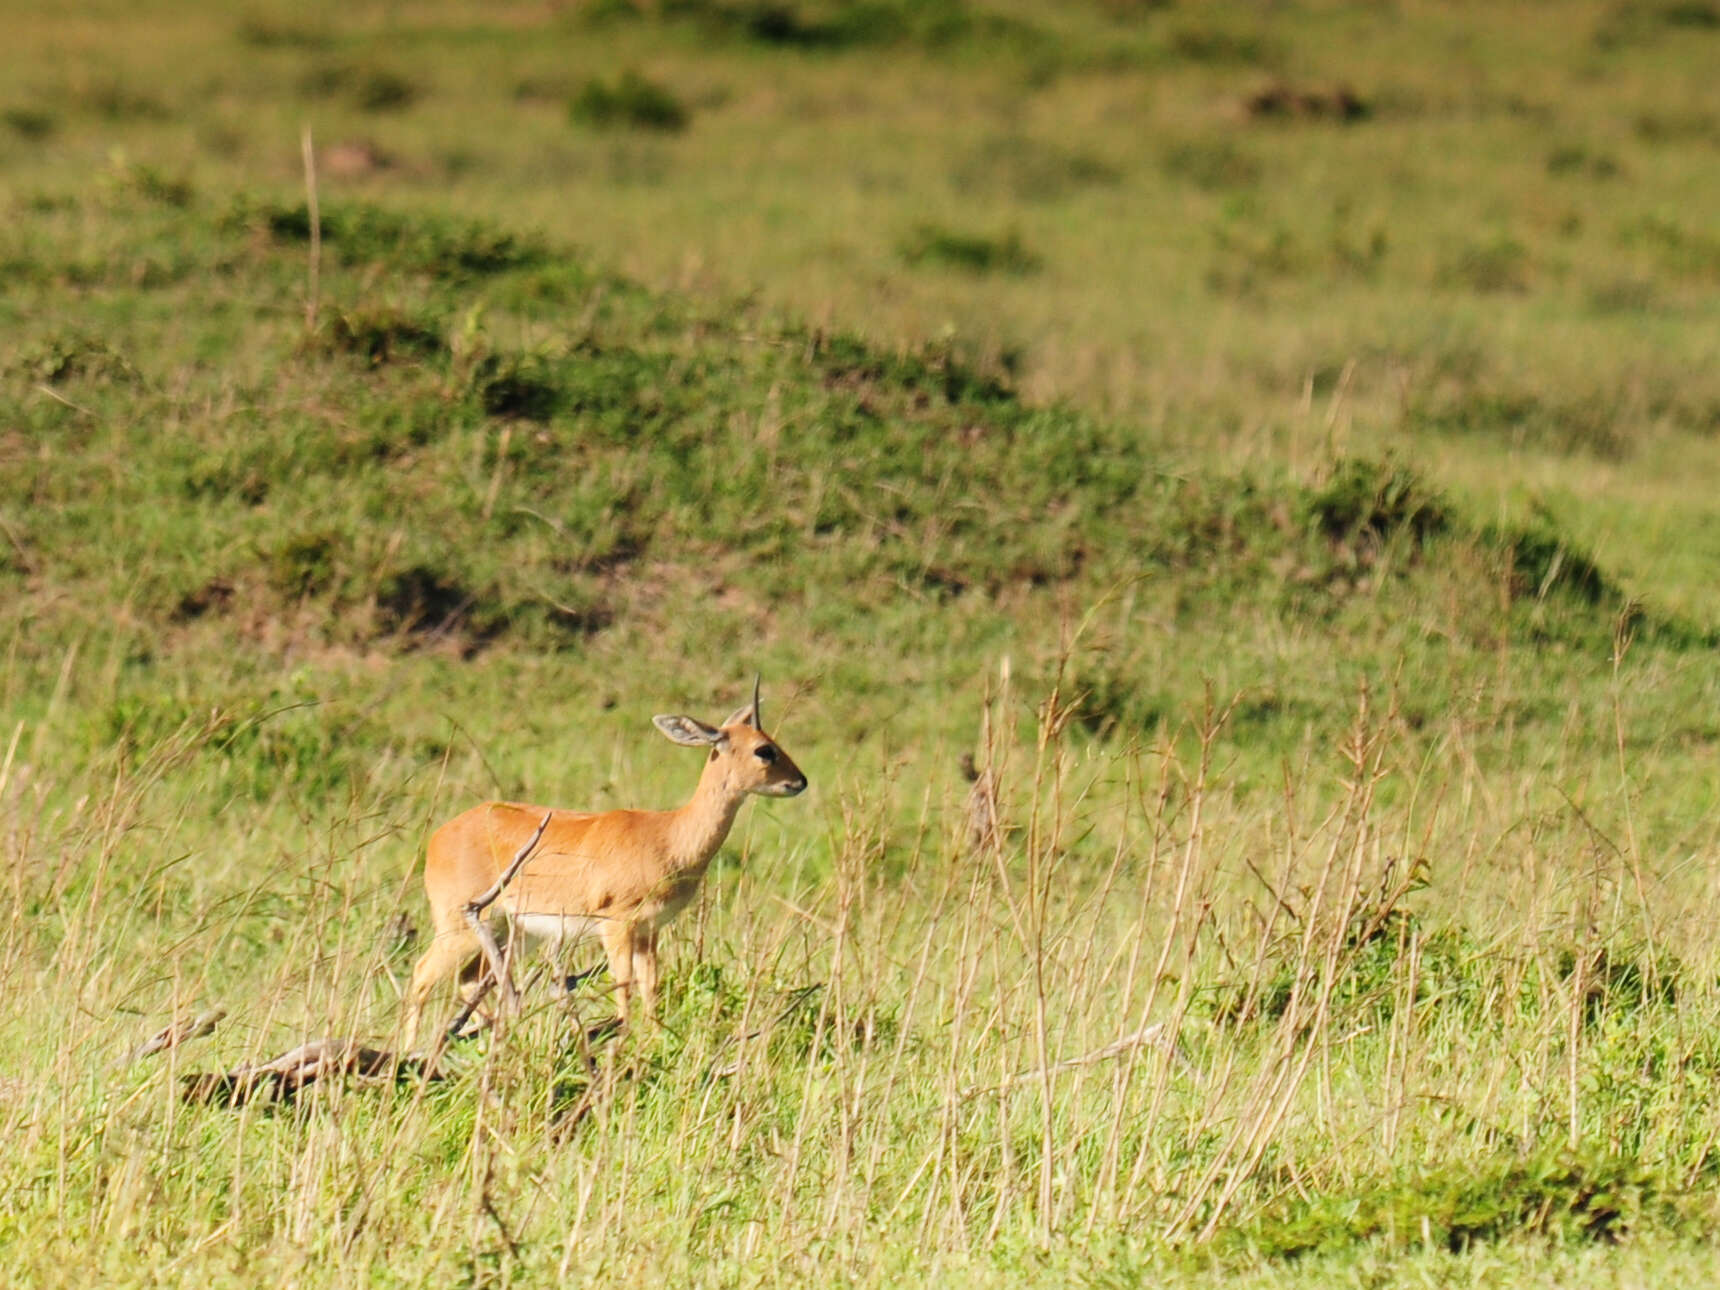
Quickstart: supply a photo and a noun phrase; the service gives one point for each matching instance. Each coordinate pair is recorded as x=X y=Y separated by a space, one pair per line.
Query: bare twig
x=495 y=890
x=55 y=395
x=1116 y=1048
x=509 y=998
x=453 y=1028
x=182 y=1030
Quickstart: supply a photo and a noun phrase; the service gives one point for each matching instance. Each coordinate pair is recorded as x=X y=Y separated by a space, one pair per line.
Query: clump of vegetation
x=381 y=90
x=73 y=355
x=378 y=335
x=149 y=183
x=935 y=370
x=420 y=599
x=1584 y=1197
x=1543 y=561
x=1571 y=422
x=361 y=233
x=1500 y=264
x=1677 y=126
x=212 y=597
x=970 y=252
x=1214 y=44
x=1624 y=295
x=1282 y=100
x=1134 y=10
x=1214 y=164
x=29 y=123
x=1033 y=170
x=1247 y=257
x=1641 y=22
x=839 y=27
x=1113 y=700
x=1376 y=501
x=828 y=26
x=117 y=101
x=267 y=31
x=1577 y=160
x=1686 y=252
x=309 y=564
x=369 y=89
x=518 y=386
x=630 y=101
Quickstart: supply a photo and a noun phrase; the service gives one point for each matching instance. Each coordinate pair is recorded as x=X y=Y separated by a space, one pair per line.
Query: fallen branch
x=279 y=1079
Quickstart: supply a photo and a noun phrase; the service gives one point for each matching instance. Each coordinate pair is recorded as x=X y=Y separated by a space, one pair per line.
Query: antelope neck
x=699 y=826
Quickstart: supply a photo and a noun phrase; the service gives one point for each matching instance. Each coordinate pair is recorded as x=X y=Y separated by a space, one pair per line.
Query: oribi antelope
x=617 y=875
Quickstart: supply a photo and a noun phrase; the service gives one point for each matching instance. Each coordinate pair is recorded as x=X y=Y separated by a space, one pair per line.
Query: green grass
x=1297 y=519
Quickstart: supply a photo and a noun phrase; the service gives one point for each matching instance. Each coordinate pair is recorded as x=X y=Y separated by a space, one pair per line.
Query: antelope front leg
x=645 y=969
x=618 y=945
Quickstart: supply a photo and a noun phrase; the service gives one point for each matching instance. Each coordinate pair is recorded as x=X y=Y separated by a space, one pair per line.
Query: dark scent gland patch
x=713 y=755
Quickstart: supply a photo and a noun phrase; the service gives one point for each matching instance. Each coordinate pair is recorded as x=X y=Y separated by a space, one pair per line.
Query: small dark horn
x=757 y=720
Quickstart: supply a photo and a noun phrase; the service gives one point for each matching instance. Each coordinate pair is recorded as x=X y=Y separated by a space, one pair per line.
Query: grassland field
x=1221 y=497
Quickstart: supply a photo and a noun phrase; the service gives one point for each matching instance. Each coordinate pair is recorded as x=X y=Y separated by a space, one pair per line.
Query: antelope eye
x=765 y=753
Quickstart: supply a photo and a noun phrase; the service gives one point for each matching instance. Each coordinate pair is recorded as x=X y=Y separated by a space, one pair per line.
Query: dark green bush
x=1376 y=500
x=970 y=252
x=1592 y=1197
x=360 y=233
x=378 y=335
x=631 y=102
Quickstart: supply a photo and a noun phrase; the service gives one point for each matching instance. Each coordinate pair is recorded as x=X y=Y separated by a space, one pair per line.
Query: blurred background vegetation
x=1234 y=358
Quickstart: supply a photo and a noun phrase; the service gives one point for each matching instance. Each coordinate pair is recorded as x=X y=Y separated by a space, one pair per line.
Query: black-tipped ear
x=688 y=731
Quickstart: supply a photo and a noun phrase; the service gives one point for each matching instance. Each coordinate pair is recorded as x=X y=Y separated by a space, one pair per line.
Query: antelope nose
x=794 y=788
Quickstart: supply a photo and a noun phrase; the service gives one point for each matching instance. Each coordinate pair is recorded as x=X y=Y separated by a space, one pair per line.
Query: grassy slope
x=276 y=597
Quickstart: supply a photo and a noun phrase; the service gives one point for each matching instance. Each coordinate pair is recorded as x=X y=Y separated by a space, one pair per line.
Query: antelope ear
x=688 y=731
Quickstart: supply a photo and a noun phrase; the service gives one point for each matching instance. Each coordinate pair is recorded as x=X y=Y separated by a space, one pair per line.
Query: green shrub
x=1543 y=561
x=970 y=252
x=378 y=335
x=369 y=89
x=1214 y=165
x=68 y=356
x=1592 y=1197
x=1378 y=501
x=29 y=123
x=1219 y=45
x=360 y=233
x=518 y=386
x=270 y=32
x=1033 y=169
x=1576 y=160
x=308 y=564
x=631 y=101
x=1498 y=265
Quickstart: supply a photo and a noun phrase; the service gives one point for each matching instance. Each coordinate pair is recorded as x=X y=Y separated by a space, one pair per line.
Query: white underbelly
x=557 y=927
